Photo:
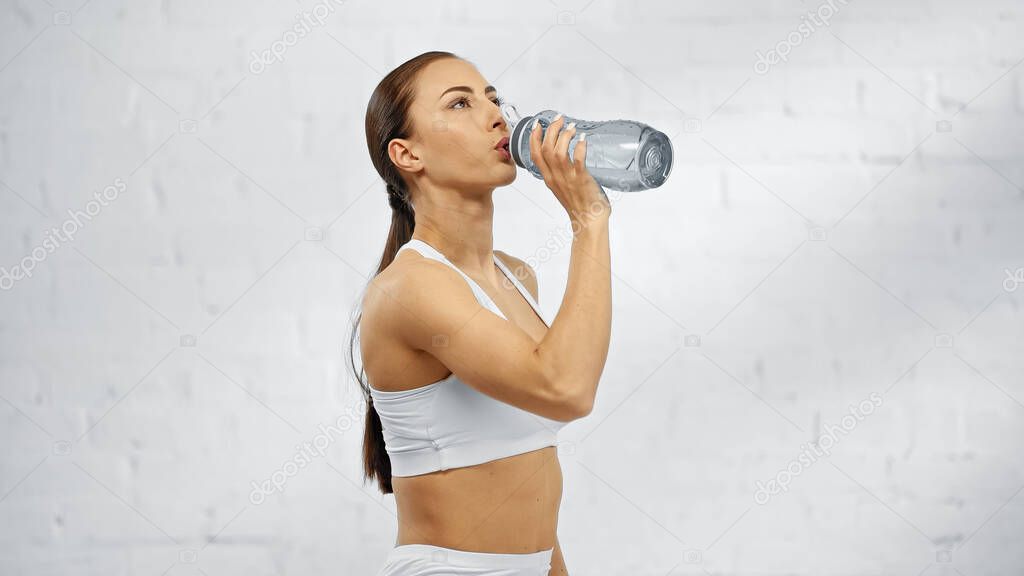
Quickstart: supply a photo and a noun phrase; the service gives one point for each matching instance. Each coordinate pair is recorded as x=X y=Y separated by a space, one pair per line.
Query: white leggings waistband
x=453 y=557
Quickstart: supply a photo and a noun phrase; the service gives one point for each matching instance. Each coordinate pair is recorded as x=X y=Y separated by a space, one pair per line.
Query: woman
x=467 y=386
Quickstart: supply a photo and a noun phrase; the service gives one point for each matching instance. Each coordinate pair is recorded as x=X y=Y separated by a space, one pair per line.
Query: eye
x=497 y=101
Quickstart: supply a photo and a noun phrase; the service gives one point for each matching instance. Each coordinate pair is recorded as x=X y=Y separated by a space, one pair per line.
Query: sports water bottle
x=622 y=155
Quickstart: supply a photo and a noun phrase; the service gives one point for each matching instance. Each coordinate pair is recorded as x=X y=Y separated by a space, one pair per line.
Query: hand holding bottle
x=568 y=178
x=625 y=155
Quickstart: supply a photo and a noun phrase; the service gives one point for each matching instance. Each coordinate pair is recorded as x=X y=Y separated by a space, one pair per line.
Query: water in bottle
x=622 y=155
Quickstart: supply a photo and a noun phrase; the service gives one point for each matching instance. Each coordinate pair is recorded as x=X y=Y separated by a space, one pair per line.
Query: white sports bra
x=449 y=424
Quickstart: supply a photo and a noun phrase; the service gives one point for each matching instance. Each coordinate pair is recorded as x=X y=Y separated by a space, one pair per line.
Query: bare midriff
x=505 y=506
x=508 y=505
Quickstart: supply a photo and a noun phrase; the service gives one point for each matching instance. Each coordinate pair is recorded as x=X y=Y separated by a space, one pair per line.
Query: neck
x=460 y=227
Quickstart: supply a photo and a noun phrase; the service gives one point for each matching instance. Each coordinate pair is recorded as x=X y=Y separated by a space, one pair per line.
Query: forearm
x=575 y=347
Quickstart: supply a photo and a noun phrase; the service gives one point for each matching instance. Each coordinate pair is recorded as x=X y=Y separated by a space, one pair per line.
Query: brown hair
x=387 y=117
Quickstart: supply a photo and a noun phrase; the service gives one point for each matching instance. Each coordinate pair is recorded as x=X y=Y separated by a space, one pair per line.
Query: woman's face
x=456 y=124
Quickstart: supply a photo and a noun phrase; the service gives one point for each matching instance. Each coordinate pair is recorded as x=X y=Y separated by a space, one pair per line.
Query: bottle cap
x=512 y=117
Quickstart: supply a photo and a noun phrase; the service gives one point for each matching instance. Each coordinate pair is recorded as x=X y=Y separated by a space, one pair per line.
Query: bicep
x=441 y=316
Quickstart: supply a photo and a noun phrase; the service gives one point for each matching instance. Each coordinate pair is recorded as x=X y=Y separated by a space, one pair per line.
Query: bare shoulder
x=413 y=305
x=415 y=297
x=523 y=272
x=412 y=277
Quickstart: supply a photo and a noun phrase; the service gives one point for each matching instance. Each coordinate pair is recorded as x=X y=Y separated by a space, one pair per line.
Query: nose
x=498 y=120
x=499 y=123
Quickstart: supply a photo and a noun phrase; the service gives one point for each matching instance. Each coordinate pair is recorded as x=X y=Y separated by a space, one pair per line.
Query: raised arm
x=557 y=377
x=441 y=316
x=576 y=346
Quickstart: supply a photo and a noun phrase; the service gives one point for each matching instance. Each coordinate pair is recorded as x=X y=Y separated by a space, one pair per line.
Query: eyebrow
x=466 y=89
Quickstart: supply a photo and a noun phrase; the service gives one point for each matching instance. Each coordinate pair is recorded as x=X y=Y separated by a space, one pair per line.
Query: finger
x=535 y=151
x=579 y=154
x=550 y=136
x=547 y=149
x=562 y=146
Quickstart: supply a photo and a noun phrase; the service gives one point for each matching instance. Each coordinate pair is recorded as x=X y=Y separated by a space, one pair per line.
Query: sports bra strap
x=434 y=254
x=522 y=289
x=430 y=252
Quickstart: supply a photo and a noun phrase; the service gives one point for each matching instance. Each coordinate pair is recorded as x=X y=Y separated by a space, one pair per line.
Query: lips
x=502 y=147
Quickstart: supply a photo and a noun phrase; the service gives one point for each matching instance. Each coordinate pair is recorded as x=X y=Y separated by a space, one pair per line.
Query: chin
x=511 y=176
x=508 y=180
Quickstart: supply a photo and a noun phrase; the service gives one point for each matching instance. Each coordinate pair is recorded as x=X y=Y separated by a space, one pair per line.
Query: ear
x=401 y=152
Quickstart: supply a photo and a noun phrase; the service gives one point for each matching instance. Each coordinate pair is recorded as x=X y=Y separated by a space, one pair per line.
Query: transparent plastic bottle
x=622 y=155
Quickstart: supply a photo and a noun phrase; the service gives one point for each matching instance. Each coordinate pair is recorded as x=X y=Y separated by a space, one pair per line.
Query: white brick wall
x=821 y=237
